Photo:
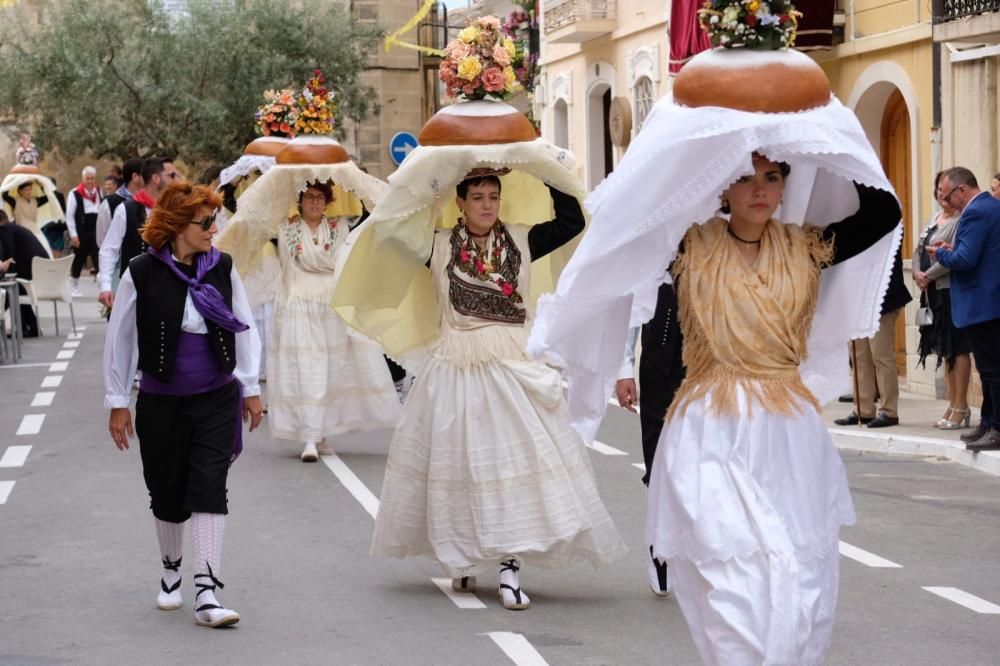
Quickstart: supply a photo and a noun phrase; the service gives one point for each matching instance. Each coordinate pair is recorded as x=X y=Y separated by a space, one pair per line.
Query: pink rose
x=493 y=79
x=480 y=266
x=463 y=257
x=469 y=88
x=507 y=288
x=491 y=22
x=459 y=50
x=501 y=56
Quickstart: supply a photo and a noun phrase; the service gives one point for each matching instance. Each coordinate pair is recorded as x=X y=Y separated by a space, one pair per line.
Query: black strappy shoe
x=512 y=597
x=212 y=615
x=169 y=598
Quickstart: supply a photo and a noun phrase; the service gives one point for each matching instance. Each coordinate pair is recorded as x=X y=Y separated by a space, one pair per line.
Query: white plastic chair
x=50 y=282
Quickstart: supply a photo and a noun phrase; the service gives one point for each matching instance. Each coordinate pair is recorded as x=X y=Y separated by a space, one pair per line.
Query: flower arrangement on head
x=478 y=64
x=518 y=26
x=751 y=24
x=278 y=114
x=316 y=107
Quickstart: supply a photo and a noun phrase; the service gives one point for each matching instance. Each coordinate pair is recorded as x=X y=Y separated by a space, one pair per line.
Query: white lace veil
x=670 y=179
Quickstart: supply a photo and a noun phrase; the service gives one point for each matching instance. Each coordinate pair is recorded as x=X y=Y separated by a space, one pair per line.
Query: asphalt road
x=79 y=566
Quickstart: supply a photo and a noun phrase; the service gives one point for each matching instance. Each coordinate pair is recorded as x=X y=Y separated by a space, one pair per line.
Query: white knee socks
x=207 y=531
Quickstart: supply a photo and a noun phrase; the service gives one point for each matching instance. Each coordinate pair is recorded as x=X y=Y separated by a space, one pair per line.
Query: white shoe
x=76 y=293
x=657 y=572
x=324 y=449
x=215 y=617
x=169 y=598
x=511 y=595
x=309 y=453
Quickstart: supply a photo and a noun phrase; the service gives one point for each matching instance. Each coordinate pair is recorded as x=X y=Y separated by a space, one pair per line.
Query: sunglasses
x=207 y=223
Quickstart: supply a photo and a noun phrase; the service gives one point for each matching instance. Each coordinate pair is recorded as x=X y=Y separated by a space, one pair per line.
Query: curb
x=849 y=438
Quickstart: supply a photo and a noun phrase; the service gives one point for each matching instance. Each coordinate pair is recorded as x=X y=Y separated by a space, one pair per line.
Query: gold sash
x=746 y=326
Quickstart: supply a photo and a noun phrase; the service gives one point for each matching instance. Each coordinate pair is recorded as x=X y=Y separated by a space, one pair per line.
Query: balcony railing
x=949 y=10
x=561 y=13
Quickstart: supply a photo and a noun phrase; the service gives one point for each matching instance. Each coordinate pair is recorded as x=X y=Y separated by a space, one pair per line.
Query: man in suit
x=661 y=372
x=974 y=260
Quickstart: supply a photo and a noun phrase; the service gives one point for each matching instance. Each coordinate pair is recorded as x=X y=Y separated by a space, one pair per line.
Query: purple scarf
x=206 y=299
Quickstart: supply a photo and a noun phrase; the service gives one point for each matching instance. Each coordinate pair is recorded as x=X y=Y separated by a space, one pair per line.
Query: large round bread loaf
x=748 y=80
x=477 y=123
x=267 y=146
x=312 y=149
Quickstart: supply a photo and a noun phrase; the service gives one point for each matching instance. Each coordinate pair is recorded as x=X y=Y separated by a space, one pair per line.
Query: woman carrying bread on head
x=753 y=201
x=182 y=317
x=484 y=470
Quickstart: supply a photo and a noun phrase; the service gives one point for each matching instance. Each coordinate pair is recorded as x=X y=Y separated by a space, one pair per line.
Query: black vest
x=160 y=297
x=132 y=243
x=78 y=214
x=114 y=200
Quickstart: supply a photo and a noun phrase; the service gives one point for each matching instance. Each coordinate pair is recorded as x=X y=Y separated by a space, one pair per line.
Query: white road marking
x=462 y=599
x=641 y=466
x=65 y=354
x=353 y=484
x=517 y=648
x=75 y=336
x=71 y=345
x=20 y=366
x=601 y=447
x=31 y=424
x=52 y=381
x=962 y=598
x=866 y=558
x=15 y=456
x=58 y=367
x=5 y=488
x=43 y=399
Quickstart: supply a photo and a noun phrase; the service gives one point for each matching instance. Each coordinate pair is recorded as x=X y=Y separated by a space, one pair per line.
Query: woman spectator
x=940 y=336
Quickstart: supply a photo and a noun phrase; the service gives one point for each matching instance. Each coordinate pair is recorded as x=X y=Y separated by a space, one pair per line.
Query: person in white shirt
x=123 y=241
x=183 y=319
x=81 y=220
x=131 y=183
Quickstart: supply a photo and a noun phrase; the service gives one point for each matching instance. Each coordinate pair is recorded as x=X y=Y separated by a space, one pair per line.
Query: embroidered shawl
x=484 y=284
x=746 y=326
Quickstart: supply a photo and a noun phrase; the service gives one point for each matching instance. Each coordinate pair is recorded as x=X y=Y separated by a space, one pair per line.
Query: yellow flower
x=511 y=49
x=469 y=68
x=469 y=35
x=753 y=6
x=511 y=78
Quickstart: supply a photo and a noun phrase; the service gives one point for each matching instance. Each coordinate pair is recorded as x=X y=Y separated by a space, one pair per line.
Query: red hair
x=175 y=210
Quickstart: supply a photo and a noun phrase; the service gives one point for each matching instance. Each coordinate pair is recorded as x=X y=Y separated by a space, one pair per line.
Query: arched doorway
x=560 y=122
x=897 y=162
x=600 y=151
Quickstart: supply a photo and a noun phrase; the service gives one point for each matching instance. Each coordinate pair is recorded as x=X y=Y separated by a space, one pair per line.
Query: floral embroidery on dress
x=294 y=235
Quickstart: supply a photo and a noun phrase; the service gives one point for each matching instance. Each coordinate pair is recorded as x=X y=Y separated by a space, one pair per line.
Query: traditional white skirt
x=321 y=380
x=747 y=510
x=484 y=464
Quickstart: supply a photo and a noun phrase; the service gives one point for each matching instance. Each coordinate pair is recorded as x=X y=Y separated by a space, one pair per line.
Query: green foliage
x=123 y=78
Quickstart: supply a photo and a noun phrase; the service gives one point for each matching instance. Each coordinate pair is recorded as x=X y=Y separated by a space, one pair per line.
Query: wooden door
x=897 y=161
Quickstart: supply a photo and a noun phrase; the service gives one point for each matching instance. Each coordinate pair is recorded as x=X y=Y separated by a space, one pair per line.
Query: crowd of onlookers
x=956 y=270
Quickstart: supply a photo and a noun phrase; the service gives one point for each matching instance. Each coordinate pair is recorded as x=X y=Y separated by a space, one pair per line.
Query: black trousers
x=984 y=338
x=186 y=445
x=87 y=234
x=660 y=375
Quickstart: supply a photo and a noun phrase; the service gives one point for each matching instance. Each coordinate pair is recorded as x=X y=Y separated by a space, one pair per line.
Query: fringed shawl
x=746 y=326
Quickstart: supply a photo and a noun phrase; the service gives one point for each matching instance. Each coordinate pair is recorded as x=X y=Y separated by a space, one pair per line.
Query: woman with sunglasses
x=182 y=317
x=321 y=381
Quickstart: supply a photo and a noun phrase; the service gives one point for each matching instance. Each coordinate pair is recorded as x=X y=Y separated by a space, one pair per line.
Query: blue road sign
x=400 y=146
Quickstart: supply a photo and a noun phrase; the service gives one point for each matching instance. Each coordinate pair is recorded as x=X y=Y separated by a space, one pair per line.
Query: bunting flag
x=393 y=39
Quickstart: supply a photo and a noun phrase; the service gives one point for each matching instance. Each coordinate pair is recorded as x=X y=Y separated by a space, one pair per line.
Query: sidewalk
x=915 y=434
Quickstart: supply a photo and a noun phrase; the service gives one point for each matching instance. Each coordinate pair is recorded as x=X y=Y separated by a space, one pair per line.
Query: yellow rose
x=511 y=49
x=469 y=68
x=753 y=6
x=469 y=35
x=511 y=78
